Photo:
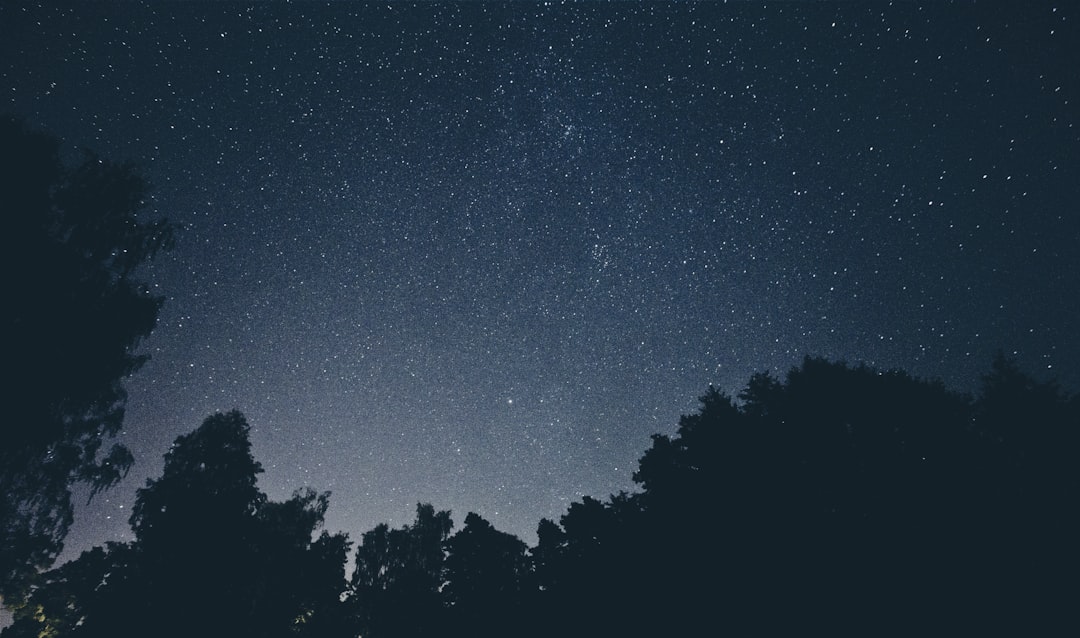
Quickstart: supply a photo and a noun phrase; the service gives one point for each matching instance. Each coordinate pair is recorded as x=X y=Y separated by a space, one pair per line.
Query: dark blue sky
x=475 y=254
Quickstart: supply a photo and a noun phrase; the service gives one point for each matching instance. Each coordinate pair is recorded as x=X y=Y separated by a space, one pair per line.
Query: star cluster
x=474 y=254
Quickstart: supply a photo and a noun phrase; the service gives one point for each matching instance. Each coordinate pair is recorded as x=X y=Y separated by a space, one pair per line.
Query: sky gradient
x=474 y=254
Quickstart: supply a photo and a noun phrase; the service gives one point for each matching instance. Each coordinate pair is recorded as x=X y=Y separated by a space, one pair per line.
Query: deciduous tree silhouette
x=485 y=572
x=394 y=590
x=842 y=500
x=212 y=557
x=299 y=579
x=75 y=313
x=95 y=588
x=196 y=526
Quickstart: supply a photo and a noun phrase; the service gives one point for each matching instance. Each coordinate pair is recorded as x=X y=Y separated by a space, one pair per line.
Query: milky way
x=475 y=254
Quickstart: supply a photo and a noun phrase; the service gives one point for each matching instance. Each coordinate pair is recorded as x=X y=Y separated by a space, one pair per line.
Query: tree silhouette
x=75 y=315
x=544 y=587
x=92 y=588
x=196 y=524
x=485 y=572
x=394 y=590
x=298 y=581
x=840 y=500
x=208 y=483
x=1031 y=433
x=212 y=557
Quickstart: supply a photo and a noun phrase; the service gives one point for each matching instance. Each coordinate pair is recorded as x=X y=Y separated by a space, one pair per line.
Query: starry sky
x=474 y=254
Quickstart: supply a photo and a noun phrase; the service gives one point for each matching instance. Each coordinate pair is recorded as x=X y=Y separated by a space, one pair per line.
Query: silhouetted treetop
x=394 y=590
x=209 y=481
x=855 y=500
x=212 y=557
x=483 y=564
x=75 y=313
x=486 y=571
x=839 y=500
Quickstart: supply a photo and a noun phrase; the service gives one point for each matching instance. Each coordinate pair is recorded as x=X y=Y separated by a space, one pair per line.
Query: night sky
x=475 y=254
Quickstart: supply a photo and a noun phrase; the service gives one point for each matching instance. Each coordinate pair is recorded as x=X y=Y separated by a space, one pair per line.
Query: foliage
x=840 y=500
x=394 y=590
x=485 y=572
x=212 y=557
x=75 y=315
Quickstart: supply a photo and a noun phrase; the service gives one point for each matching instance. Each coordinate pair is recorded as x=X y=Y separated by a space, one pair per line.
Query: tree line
x=841 y=498
x=837 y=499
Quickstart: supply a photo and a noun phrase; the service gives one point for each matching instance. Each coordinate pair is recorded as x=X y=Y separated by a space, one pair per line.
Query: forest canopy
x=841 y=499
x=75 y=313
